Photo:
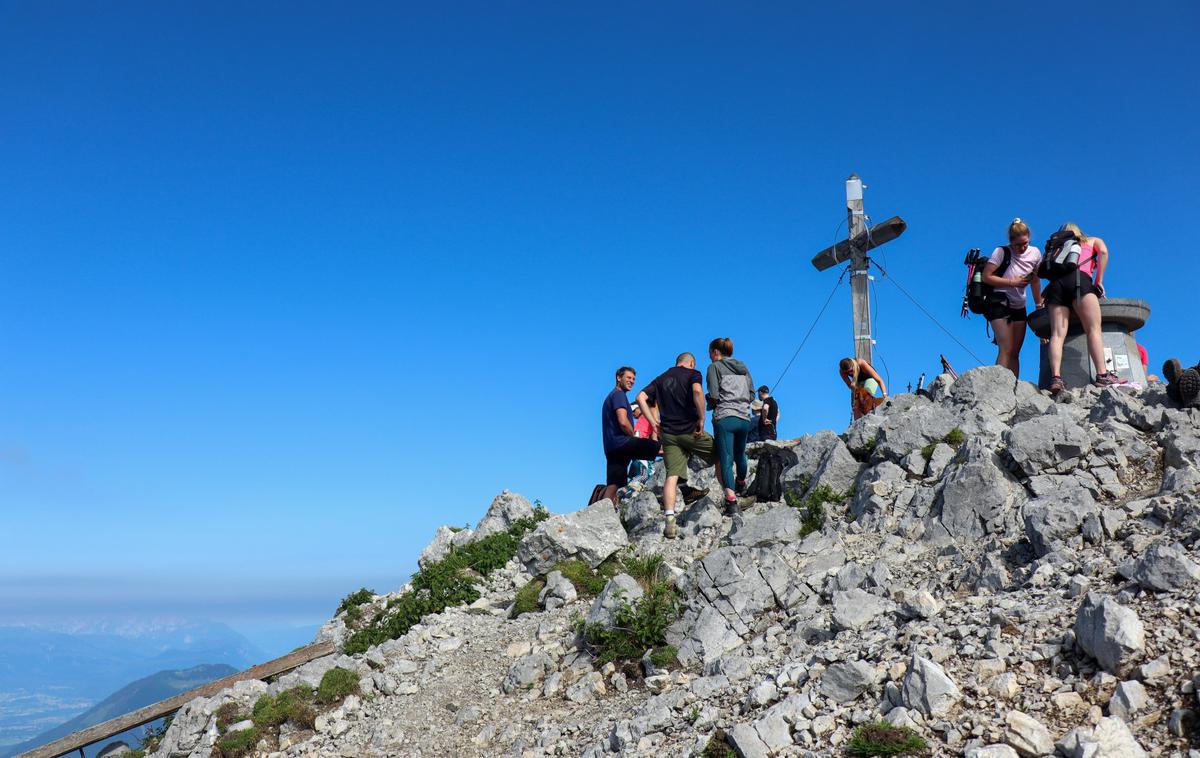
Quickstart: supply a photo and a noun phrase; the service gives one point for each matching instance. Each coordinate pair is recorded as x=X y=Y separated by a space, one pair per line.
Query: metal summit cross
x=854 y=249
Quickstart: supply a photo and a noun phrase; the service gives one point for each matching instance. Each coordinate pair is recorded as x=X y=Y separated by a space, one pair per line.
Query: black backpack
x=979 y=296
x=767 y=487
x=1061 y=257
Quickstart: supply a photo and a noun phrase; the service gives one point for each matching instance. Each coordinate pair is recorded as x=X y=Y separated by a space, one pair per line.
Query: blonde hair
x=1072 y=226
x=1017 y=228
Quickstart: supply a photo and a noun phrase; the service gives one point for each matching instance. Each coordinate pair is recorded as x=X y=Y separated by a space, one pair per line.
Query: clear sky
x=283 y=286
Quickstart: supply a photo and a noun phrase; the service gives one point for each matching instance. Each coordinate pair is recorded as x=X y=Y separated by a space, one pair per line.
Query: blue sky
x=284 y=287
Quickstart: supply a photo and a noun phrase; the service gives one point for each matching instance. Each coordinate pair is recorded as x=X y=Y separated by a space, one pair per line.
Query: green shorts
x=677 y=448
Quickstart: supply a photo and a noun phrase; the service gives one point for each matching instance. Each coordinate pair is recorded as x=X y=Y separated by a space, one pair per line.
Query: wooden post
x=860 y=294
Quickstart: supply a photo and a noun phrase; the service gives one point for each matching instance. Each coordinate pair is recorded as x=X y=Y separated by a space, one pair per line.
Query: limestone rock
x=780 y=523
x=1109 y=632
x=591 y=535
x=505 y=510
x=1046 y=443
x=928 y=689
x=1027 y=735
x=846 y=680
x=1110 y=738
x=558 y=591
x=1162 y=568
x=619 y=590
x=1054 y=520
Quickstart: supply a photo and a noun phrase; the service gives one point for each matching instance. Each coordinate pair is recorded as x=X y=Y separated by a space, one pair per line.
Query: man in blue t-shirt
x=616 y=426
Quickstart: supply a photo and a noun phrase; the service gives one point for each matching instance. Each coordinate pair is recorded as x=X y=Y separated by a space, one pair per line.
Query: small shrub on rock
x=927 y=451
x=355 y=599
x=812 y=508
x=336 y=685
x=881 y=738
x=238 y=744
x=527 y=597
x=441 y=584
x=227 y=714
x=954 y=437
x=638 y=626
x=718 y=747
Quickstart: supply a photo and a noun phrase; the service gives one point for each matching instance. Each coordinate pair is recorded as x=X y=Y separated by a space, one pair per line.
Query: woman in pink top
x=1007 y=313
x=1082 y=294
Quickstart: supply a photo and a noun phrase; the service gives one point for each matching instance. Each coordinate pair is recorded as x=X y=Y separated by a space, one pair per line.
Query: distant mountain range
x=141 y=693
x=50 y=675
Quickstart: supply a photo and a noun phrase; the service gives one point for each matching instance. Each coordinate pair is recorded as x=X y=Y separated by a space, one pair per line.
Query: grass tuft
x=587 y=583
x=881 y=738
x=718 y=747
x=336 y=685
x=954 y=437
x=293 y=706
x=238 y=744
x=644 y=568
x=527 y=598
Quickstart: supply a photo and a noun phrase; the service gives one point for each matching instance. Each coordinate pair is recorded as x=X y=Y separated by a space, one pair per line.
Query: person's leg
x=1060 y=319
x=1016 y=336
x=676 y=461
x=1000 y=327
x=741 y=435
x=1088 y=310
x=724 y=444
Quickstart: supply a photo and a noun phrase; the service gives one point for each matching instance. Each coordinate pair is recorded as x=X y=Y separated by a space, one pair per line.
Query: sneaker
x=1056 y=385
x=1108 y=379
x=670 y=531
x=691 y=494
x=1189 y=387
x=731 y=507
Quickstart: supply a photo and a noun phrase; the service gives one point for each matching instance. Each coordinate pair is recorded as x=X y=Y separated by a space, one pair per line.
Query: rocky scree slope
x=1004 y=573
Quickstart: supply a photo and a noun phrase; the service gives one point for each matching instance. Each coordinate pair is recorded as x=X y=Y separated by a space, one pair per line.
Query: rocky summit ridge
x=1003 y=573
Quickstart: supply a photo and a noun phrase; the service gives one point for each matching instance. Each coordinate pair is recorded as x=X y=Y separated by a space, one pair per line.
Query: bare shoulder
x=1098 y=243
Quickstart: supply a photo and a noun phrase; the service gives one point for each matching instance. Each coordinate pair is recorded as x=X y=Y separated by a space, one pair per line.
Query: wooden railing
x=81 y=739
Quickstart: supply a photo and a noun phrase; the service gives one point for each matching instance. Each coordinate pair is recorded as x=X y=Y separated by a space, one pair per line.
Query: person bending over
x=867 y=389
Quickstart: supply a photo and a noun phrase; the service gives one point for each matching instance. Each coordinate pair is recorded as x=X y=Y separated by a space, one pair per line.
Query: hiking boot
x=1108 y=379
x=1172 y=368
x=731 y=507
x=670 y=531
x=691 y=494
x=1056 y=385
x=1189 y=387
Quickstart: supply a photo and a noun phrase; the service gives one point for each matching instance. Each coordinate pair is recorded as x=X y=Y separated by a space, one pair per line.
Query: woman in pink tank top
x=1080 y=293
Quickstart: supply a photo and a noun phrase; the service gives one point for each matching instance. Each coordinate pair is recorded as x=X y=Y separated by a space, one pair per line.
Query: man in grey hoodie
x=730 y=392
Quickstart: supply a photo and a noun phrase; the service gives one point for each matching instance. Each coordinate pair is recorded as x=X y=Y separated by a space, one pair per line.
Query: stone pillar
x=1120 y=318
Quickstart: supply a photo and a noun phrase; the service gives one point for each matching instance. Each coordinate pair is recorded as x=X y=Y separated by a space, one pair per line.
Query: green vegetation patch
x=336 y=685
x=927 y=451
x=812 y=508
x=229 y=713
x=954 y=437
x=354 y=599
x=527 y=598
x=881 y=738
x=238 y=744
x=445 y=583
x=293 y=706
x=587 y=583
x=639 y=626
x=718 y=747
x=644 y=568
